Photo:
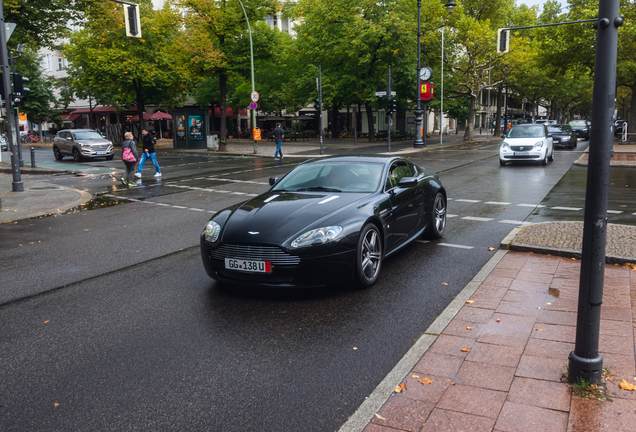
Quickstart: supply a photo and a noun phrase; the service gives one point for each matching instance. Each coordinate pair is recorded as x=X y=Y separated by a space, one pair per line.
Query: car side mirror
x=407 y=182
x=273 y=181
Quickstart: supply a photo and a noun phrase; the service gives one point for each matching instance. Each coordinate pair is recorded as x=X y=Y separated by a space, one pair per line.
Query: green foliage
x=40 y=102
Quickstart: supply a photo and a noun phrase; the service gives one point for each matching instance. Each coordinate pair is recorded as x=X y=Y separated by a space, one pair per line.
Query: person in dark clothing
x=279 y=136
x=148 y=141
x=128 y=178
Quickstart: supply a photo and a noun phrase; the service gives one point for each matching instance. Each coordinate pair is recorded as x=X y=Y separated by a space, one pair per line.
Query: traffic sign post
x=254 y=96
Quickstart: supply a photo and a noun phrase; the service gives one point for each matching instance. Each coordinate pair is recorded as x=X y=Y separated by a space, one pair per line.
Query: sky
x=539 y=2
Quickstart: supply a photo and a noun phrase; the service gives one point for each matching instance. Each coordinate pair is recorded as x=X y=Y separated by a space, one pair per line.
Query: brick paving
x=500 y=362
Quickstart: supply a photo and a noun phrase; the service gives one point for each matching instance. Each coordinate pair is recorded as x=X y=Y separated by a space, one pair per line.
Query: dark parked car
x=327 y=221
x=581 y=128
x=562 y=135
x=82 y=144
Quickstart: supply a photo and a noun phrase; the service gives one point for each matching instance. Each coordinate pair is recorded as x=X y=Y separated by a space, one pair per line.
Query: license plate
x=248 y=265
x=522 y=153
x=100 y=153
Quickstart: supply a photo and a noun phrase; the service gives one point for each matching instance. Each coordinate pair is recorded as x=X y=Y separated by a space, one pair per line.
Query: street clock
x=426 y=73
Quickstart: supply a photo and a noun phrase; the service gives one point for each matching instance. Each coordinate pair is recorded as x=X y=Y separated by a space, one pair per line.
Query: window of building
x=60 y=63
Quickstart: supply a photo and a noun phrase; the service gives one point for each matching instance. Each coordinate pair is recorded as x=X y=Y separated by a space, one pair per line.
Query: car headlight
x=565 y=138
x=538 y=144
x=84 y=145
x=505 y=146
x=212 y=231
x=317 y=236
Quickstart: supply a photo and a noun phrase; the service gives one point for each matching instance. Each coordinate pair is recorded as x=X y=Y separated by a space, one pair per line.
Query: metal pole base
x=17 y=186
x=583 y=368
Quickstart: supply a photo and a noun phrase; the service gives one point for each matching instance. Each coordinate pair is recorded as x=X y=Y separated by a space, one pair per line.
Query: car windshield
x=329 y=176
x=527 y=132
x=558 y=128
x=578 y=123
x=88 y=135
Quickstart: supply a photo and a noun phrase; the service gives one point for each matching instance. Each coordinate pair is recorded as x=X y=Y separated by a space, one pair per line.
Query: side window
x=398 y=171
x=63 y=135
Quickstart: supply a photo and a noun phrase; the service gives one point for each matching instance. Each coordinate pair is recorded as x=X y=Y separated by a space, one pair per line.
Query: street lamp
x=450 y=6
x=249 y=31
x=419 y=143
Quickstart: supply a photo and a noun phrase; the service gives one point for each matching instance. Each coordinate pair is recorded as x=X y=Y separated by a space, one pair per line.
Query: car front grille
x=274 y=254
x=521 y=148
x=99 y=147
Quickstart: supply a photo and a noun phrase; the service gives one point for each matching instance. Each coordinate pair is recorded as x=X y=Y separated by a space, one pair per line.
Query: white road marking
x=455 y=245
x=530 y=205
x=467 y=200
x=514 y=222
x=567 y=208
x=180 y=207
x=479 y=219
x=195 y=209
x=448 y=216
x=615 y=211
x=497 y=203
x=164 y=204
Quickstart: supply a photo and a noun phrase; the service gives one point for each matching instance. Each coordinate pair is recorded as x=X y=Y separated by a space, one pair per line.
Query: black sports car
x=581 y=128
x=327 y=221
x=562 y=135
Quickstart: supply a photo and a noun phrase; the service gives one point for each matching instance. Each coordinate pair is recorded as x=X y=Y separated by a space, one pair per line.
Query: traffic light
x=317 y=104
x=502 y=41
x=19 y=90
x=390 y=106
x=131 y=18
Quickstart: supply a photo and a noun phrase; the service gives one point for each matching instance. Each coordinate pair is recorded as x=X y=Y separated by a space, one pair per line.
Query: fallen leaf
x=470 y=301
x=415 y=376
x=627 y=386
x=379 y=416
x=55 y=405
x=46 y=321
x=573 y=259
x=491 y=248
x=497 y=320
x=452 y=383
x=548 y=304
x=355 y=348
x=86 y=229
x=539 y=307
x=538 y=329
x=444 y=283
x=425 y=380
x=465 y=349
x=469 y=328
x=401 y=388
x=136 y=251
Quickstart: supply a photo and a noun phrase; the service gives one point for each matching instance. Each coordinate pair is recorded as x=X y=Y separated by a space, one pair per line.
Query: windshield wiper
x=318 y=189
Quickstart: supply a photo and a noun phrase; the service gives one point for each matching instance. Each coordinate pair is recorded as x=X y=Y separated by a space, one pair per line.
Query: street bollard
x=32 y=157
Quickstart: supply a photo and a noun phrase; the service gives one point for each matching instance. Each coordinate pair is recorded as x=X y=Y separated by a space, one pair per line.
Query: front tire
x=551 y=158
x=77 y=157
x=502 y=162
x=437 y=218
x=109 y=157
x=545 y=159
x=369 y=255
x=57 y=154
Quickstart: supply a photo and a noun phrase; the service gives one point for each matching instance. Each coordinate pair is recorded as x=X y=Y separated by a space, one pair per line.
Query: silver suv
x=82 y=144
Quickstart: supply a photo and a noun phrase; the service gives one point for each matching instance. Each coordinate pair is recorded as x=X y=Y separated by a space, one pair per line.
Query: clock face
x=426 y=73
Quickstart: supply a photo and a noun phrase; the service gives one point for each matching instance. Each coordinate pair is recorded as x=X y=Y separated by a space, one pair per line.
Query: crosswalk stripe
x=567 y=208
x=497 y=203
x=479 y=219
x=455 y=245
x=530 y=205
x=467 y=200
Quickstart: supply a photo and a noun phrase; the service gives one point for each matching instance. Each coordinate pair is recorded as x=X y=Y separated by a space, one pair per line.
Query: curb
x=84 y=197
x=372 y=404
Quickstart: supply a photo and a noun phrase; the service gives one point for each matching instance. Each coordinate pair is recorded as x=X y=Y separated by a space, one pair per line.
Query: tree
x=112 y=68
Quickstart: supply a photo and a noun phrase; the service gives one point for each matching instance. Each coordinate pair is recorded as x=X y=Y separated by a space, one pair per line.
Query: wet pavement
x=496 y=359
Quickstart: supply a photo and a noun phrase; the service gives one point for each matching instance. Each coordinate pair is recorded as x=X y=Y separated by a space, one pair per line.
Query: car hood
x=93 y=142
x=579 y=127
x=273 y=217
x=522 y=141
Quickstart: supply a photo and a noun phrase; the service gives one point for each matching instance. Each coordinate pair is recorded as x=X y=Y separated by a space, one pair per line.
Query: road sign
x=624 y=131
x=9 y=27
x=253 y=105
x=383 y=93
x=254 y=97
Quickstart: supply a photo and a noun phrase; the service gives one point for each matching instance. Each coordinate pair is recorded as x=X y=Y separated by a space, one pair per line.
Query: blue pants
x=152 y=157
x=278 y=150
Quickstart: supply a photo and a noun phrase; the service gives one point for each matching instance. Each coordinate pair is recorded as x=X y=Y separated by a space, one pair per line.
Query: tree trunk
x=498 y=113
x=632 y=109
x=468 y=134
x=223 y=128
x=334 y=120
x=140 y=105
x=369 y=110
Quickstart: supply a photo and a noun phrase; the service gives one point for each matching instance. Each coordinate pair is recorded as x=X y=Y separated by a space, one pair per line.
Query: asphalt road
x=110 y=322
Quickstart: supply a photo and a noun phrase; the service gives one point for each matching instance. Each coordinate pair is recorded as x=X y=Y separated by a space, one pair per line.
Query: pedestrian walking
x=148 y=141
x=130 y=158
x=279 y=136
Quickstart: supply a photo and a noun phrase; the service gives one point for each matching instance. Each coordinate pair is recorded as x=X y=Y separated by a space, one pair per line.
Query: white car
x=529 y=142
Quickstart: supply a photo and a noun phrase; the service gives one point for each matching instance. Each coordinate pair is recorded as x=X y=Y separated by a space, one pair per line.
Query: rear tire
x=109 y=157
x=369 y=255
x=551 y=158
x=57 y=154
x=437 y=218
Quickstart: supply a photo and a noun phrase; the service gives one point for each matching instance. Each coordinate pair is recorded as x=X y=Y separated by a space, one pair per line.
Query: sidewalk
x=496 y=358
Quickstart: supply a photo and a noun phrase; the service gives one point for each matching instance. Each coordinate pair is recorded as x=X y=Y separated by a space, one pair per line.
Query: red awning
x=99 y=109
x=228 y=112
x=69 y=117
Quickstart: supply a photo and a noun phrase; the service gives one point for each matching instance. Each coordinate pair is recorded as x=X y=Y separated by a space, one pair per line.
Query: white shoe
x=158 y=175
x=137 y=175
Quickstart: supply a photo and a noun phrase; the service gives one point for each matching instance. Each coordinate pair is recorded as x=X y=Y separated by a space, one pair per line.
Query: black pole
x=17 y=184
x=585 y=362
x=17 y=119
x=389 y=113
x=418 y=110
x=321 y=105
